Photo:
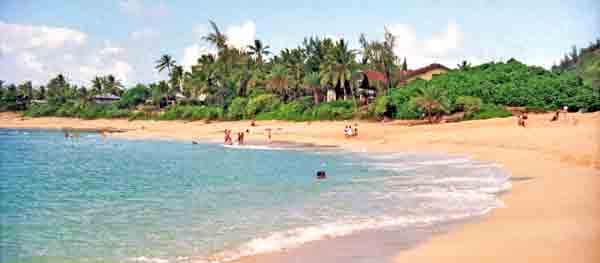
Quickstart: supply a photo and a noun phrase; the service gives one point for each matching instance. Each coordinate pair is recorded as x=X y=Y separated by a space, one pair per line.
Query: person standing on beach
x=228 y=140
x=269 y=134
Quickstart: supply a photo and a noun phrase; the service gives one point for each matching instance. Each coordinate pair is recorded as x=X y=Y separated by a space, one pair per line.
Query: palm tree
x=389 y=57
x=112 y=85
x=312 y=81
x=258 y=50
x=216 y=37
x=176 y=80
x=97 y=84
x=165 y=62
x=464 y=65
x=431 y=99
x=279 y=81
x=338 y=67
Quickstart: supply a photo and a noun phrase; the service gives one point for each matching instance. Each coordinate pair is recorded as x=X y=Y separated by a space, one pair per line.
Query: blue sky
x=39 y=39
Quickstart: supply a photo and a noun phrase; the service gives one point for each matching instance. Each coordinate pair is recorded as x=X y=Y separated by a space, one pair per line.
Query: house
x=106 y=98
x=367 y=84
x=425 y=73
x=368 y=78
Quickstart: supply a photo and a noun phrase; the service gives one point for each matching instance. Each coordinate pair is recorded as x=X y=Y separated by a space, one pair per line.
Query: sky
x=81 y=39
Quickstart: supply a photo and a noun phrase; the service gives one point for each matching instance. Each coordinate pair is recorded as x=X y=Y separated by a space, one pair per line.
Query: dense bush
x=134 y=96
x=467 y=104
x=41 y=110
x=237 y=109
x=192 y=113
x=488 y=111
x=512 y=84
x=335 y=110
x=293 y=111
x=77 y=110
x=408 y=111
x=262 y=103
x=381 y=106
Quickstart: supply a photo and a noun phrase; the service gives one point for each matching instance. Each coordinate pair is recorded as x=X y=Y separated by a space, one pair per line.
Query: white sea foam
x=253 y=147
x=149 y=259
x=445 y=161
x=279 y=241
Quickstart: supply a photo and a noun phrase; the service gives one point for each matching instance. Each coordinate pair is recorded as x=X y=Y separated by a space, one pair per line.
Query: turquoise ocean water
x=93 y=199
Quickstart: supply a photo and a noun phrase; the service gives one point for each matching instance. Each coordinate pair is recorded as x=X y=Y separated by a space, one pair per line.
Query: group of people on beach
x=229 y=141
x=522 y=118
x=564 y=111
x=350 y=131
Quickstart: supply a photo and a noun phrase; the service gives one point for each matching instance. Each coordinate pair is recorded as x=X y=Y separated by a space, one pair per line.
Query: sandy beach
x=552 y=212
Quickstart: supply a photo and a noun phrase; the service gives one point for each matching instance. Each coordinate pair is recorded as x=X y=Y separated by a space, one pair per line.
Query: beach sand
x=552 y=212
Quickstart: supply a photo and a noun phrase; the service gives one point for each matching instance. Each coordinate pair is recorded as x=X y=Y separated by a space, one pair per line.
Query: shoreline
x=553 y=218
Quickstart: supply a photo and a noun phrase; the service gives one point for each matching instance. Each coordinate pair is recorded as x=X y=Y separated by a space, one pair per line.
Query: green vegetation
x=585 y=63
x=321 y=79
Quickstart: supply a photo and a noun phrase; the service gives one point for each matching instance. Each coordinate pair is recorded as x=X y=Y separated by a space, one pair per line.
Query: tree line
x=296 y=83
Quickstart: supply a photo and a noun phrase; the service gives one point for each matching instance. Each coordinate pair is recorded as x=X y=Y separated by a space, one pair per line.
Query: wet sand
x=552 y=212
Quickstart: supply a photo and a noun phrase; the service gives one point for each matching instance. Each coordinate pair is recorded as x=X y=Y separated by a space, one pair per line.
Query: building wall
x=428 y=75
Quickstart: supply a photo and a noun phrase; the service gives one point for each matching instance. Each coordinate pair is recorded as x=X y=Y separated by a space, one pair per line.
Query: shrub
x=237 y=109
x=134 y=96
x=468 y=104
x=41 y=110
x=381 y=107
x=408 y=111
x=262 y=103
x=538 y=109
x=192 y=113
x=335 y=110
x=292 y=111
x=489 y=111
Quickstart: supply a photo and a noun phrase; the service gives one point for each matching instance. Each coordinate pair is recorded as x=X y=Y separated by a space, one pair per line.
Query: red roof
x=375 y=75
x=411 y=73
x=403 y=75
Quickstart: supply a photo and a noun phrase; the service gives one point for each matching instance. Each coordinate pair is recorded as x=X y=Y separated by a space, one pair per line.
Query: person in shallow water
x=321 y=175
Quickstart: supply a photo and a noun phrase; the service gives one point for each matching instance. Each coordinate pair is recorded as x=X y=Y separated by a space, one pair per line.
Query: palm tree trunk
x=316 y=95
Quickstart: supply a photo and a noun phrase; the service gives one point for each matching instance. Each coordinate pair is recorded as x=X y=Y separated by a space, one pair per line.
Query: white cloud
x=238 y=36
x=437 y=48
x=444 y=42
x=111 y=49
x=30 y=62
x=192 y=53
x=241 y=36
x=38 y=53
x=137 y=8
x=20 y=37
x=121 y=70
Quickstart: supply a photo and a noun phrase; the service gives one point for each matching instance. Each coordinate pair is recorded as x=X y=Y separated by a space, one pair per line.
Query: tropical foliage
x=321 y=79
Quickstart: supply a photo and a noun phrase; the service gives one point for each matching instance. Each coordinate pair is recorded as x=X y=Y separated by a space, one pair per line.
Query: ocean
x=95 y=199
